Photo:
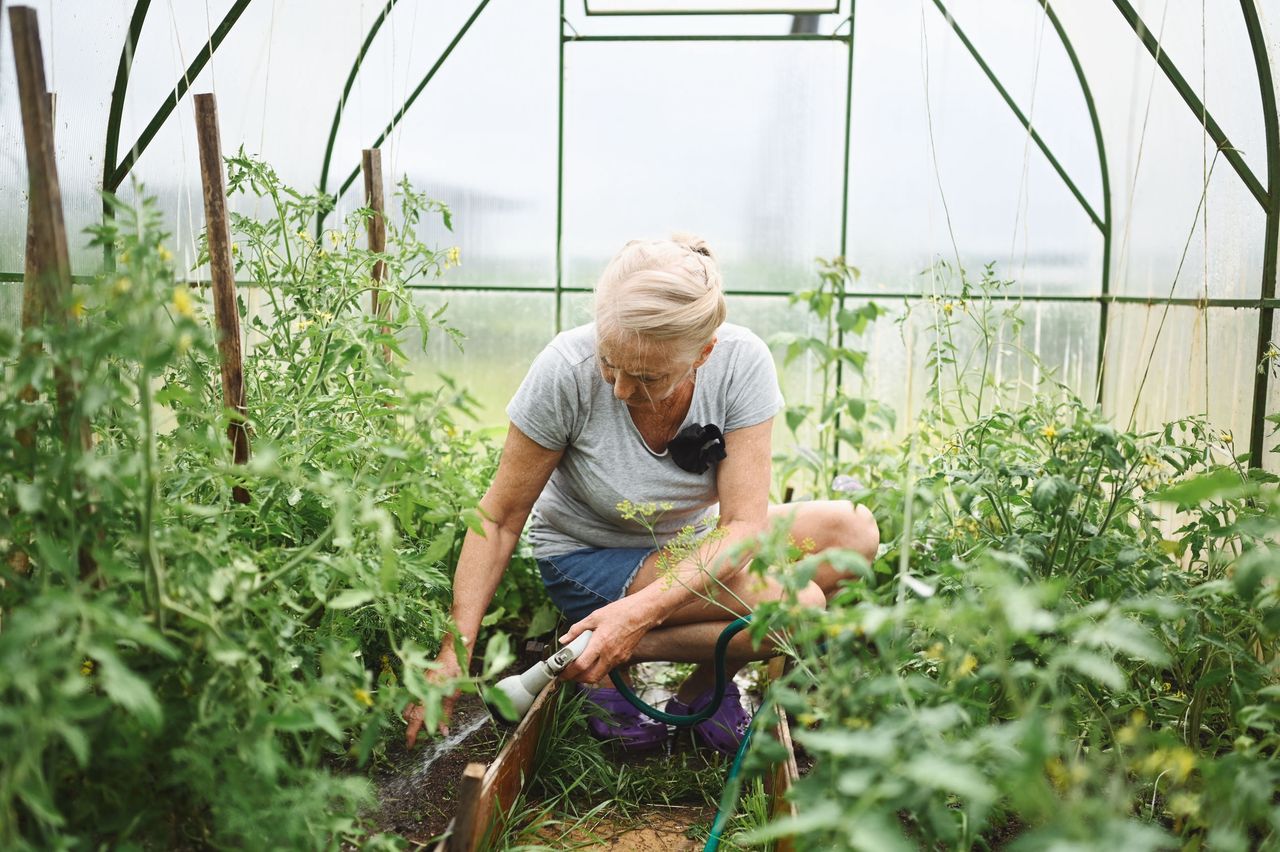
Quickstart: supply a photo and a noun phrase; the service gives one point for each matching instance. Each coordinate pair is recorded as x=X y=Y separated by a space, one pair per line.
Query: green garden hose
x=729 y=798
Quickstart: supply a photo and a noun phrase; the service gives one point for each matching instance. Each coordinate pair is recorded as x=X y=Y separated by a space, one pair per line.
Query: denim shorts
x=582 y=581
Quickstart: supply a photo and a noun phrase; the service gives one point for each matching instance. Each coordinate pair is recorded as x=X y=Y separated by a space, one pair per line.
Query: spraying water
x=438 y=749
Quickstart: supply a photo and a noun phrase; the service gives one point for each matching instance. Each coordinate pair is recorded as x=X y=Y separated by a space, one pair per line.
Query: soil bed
x=416 y=790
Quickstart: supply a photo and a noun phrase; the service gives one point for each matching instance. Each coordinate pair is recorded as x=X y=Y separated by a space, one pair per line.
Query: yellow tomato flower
x=1176 y=762
x=124 y=257
x=302 y=324
x=453 y=257
x=947 y=308
x=182 y=301
x=967 y=665
x=86 y=668
x=164 y=254
x=1227 y=437
x=77 y=308
x=121 y=286
x=1049 y=432
x=363 y=696
x=184 y=343
x=934 y=652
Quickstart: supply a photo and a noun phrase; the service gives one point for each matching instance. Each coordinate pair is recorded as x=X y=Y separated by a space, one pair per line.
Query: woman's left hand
x=617 y=629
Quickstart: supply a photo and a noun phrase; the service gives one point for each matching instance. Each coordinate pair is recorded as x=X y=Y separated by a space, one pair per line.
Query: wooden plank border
x=481 y=803
x=785 y=773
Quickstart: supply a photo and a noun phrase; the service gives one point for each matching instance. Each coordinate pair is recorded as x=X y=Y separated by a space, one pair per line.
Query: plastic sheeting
x=741 y=141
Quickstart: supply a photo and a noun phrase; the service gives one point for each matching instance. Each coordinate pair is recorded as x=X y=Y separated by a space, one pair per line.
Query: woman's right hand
x=446 y=669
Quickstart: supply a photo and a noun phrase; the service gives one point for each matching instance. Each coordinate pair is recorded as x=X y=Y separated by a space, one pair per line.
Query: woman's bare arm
x=523 y=471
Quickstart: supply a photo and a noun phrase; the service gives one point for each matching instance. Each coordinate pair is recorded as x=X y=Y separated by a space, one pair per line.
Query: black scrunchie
x=697 y=447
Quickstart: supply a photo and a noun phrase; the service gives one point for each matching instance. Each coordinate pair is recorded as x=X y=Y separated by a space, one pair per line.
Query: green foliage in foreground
x=1069 y=640
x=178 y=669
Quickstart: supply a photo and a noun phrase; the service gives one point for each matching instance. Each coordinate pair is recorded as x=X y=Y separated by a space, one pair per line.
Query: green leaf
x=543 y=620
x=77 y=741
x=439 y=545
x=931 y=770
x=1049 y=493
x=873 y=744
x=126 y=688
x=30 y=497
x=1095 y=667
x=795 y=416
x=1128 y=637
x=500 y=703
x=825 y=815
x=497 y=655
x=350 y=599
x=1223 y=483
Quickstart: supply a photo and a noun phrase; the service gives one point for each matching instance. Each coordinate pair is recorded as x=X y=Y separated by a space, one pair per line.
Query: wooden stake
x=48 y=260
x=468 y=818
x=222 y=274
x=48 y=265
x=33 y=307
x=371 y=166
x=33 y=311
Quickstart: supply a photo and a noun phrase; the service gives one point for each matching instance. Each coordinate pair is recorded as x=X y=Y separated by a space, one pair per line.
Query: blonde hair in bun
x=668 y=291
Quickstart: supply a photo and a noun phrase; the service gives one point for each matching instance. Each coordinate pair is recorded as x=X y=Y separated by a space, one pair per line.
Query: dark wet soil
x=417 y=789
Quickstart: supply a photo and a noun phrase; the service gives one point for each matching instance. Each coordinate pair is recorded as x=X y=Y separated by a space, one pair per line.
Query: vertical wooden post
x=466 y=822
x=222 y=273
x=371 y=166
x=48 y=260
x=33 y=311
x=33 y=307
x=784 y=774
x=48 y=265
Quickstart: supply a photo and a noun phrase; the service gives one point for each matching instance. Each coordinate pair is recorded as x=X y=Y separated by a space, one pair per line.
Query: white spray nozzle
x=523 y=688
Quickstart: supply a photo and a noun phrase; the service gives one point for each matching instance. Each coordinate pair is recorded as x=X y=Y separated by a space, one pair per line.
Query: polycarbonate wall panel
x=458 y=142
x=741 y=143
x=1018 y=42
x=1063 y=336
x=1209 y=44
x=81 y=44
x=1159 y=158
x=941 y=167
x=1200 y=363
x=504 y=333
x=481 y=137
x=10 y=306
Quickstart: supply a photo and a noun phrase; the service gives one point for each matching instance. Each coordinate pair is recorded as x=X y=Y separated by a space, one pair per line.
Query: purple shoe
x=618 y=722
x=724 y=730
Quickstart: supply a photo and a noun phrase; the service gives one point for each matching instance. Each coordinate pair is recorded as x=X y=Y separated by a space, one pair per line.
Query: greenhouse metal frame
x=1266 y=192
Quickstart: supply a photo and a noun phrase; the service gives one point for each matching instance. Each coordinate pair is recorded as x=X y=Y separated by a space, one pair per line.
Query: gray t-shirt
x=564 y=403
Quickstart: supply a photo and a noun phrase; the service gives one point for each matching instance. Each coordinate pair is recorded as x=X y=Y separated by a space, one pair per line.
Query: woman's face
x=642 y=372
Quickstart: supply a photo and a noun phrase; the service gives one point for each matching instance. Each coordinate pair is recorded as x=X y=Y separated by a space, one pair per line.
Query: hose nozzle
x=521 y=689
